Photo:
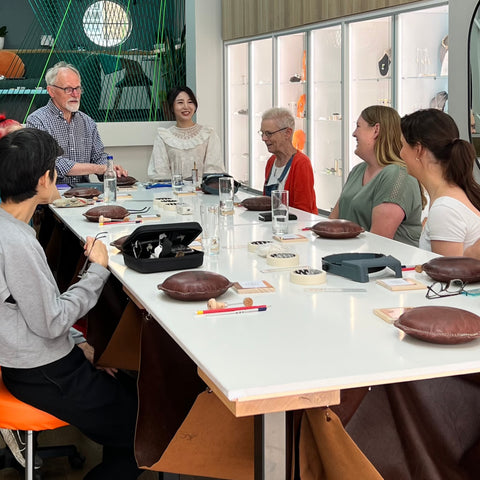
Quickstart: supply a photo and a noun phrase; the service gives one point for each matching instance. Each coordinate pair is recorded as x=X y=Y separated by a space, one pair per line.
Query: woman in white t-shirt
x=443 y=163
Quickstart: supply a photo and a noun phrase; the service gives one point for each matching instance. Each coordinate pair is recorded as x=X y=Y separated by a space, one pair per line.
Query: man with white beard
x=74 y=131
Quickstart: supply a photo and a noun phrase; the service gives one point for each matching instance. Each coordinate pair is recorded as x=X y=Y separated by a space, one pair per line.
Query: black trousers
x=102 y=407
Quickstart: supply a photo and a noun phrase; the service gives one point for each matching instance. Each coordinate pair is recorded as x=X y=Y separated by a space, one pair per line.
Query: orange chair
x=16 y=415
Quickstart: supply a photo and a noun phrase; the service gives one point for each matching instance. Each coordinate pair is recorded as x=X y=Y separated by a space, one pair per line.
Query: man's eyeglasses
x=269 y=134
x=69 y=90
x=439 y=289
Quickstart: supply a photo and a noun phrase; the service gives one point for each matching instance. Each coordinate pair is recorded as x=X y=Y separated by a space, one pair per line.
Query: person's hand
x=121 y=172
x=96 y=251
x=88 y=352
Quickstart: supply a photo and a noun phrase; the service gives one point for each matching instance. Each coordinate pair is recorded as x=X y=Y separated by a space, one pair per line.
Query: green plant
x=3 y=31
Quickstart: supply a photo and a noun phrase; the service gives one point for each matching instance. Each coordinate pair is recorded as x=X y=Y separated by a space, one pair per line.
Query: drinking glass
x=210 y=229
x=279 y=212
x=226 y=190
x=177 y=176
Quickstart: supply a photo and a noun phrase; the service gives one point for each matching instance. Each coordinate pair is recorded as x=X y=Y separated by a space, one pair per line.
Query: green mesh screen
x=129 y=54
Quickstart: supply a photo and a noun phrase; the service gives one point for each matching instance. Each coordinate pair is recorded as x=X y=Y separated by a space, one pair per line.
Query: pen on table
x=108 y=221
x=406 y=268
x=158 y=185
x=101 y=224
x=223 y=311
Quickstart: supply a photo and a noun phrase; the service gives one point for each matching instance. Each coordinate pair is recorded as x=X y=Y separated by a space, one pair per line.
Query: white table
x=307 y=346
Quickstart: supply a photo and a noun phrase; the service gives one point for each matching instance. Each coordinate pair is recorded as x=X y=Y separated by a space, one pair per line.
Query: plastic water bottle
x=110 y=182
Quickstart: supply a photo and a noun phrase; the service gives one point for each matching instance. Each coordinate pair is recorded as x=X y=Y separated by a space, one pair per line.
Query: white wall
x=205 y=60
x=130 y=143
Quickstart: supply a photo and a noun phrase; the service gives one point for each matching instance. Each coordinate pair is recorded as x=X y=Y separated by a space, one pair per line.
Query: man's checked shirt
x=79 y=140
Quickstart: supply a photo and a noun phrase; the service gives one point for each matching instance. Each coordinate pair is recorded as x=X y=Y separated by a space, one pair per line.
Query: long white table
x=308 y=345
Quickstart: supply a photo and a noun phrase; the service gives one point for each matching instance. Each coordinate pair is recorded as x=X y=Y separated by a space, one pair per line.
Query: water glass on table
x=210 y=229
x=226 y=191
x=279 y=212
x=177 y=176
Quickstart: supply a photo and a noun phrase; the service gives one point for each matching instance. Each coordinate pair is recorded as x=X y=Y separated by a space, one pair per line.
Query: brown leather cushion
x=118 y=242
x=260 y=204
x=125 y=181
x=337 y=228
x=11 y=65
x=82 y=192
x=114 y=212
x=446 y=325
x=444 y=269
x=195 y=285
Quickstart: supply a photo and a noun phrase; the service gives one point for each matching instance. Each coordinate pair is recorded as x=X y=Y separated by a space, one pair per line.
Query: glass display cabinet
x=326 y=75
x=262 y=99
x=237 y=133
x=325 y=132
x=423 y=65
x=370 y=71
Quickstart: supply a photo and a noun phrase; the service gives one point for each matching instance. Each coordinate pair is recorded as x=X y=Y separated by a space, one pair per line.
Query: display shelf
x=396 y=59
x=425 y=77
x=372 y=79
x=423 y=57
x=261 y=53
x=237 y=114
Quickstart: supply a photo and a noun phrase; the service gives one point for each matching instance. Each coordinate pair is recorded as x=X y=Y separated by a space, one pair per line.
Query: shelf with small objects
x=423 y=60
x=326 y=74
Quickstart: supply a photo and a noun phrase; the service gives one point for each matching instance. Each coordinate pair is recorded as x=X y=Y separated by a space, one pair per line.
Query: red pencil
x=258 y=308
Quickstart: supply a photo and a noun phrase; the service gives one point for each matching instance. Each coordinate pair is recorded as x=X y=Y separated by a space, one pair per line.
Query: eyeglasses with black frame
x=87 y=261
x=269 y=134
x=69 y=90
x=449 y=289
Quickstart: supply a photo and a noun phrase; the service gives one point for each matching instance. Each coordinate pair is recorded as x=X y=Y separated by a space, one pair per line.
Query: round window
x=106 y=23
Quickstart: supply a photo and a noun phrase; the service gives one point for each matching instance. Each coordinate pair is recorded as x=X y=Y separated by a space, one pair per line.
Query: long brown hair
x=389 y=141
x=438 y=132
x=388 y=144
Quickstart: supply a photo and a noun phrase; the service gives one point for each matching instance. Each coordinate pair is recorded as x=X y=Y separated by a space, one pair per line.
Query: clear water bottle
x=110 y=182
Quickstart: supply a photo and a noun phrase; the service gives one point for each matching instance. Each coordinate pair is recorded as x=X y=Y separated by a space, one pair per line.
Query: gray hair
x=282 y=117
x=51 y=75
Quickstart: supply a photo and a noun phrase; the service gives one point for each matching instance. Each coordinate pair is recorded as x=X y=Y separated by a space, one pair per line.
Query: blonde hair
x=388 y=145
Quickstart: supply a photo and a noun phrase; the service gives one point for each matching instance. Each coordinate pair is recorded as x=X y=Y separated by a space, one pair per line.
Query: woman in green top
x=379 y=194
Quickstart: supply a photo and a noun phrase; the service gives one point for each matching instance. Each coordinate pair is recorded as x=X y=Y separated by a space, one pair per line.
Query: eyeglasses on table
x=449 y=289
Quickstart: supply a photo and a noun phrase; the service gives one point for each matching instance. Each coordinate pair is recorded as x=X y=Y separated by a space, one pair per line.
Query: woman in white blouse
x=187 y=143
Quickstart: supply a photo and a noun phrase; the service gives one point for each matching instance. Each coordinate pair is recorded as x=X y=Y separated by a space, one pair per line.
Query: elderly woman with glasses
x=287 y=168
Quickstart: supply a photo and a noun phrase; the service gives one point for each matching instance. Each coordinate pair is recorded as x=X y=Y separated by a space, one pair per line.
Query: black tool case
x=162 y=247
